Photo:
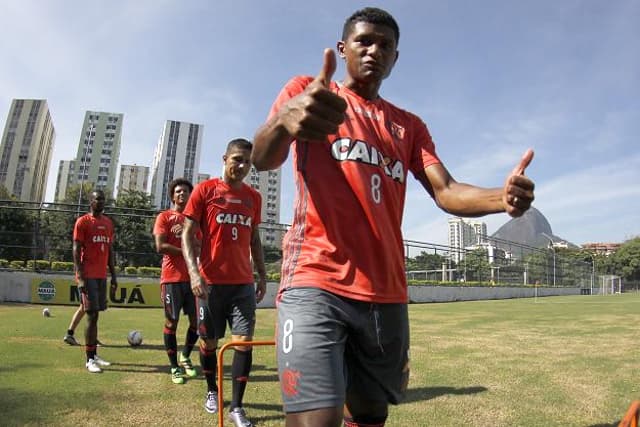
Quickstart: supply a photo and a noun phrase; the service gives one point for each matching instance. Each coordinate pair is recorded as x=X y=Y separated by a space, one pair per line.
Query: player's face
x=237 y=163
x=97 y=202
x=181 y=195
x=370 y=52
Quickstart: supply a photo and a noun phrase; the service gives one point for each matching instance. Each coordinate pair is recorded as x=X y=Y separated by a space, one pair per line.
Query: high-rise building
x=98 y=151
x=133 y=178
x=177 y=155
x=202 y=177
x=268 y=184
x=66 y=173
x=26 y=149
x=464 y=233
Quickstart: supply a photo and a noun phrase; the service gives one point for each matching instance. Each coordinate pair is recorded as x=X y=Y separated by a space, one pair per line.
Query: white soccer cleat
x=101 y=362
x=93 y=367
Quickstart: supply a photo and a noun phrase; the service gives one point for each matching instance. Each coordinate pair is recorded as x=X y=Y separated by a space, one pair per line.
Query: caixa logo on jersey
x=46 y=291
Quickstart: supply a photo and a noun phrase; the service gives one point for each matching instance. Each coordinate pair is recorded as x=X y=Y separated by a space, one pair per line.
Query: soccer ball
x=46 y=312
x=134 y=338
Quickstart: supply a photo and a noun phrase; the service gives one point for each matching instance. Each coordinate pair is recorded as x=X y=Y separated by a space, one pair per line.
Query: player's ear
x=340 y=49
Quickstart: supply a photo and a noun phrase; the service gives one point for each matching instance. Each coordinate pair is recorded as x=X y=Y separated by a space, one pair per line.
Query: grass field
x=554 y=361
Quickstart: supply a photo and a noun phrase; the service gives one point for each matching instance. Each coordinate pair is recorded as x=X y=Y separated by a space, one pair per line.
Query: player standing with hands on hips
x=343 y=333
x=228 y=213
x=93 y=238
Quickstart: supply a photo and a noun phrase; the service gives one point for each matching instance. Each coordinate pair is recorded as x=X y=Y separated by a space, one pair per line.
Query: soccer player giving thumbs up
x=343 y=288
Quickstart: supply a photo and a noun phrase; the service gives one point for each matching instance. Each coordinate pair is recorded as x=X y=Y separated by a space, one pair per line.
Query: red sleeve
x=195 y=205
x=78 y=230
x=424 y=150
x=160 y=226
x=258 y=214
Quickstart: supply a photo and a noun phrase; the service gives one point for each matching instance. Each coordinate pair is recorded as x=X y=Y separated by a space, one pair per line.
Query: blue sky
x=489 y=78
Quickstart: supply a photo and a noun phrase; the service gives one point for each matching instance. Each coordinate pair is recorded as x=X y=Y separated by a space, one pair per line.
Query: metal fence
x=40 y=234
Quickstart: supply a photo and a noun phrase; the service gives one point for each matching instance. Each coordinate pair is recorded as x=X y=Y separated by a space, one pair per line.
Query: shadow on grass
x=428 y=393
x=17 y=408
x=613 y=424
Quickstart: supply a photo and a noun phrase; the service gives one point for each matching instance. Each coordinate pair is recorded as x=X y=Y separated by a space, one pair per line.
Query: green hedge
x=131 y=270
x=16 y=264
x=41 y=264
x=4 y=263
x=61 y=266
x=149 y=271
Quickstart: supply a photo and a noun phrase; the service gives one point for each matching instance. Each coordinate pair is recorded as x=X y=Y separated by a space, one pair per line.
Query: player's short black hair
x=371 y=15
x=240 y=143
x=179 y=181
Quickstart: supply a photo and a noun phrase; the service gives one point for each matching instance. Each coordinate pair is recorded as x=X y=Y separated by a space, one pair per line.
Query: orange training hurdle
x=632 y=416
x=221 y=371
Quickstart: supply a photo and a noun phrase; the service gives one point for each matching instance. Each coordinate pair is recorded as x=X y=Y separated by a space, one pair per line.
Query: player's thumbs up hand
x=316 y=112
x=518 y=189
x=328 y=68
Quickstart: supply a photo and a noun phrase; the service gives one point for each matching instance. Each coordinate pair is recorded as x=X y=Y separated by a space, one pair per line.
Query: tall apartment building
x=66 y=171
x=463 y=233
x=177 y=155
x=98 y=151
x=26 y=149
x=202 y=177
x=268 y=184
x=133 y=178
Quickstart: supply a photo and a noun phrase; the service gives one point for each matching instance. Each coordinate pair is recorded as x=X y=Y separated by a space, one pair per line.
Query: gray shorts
x=95 y=298
x=328 y=345
x=234 y=305
x=177 y=296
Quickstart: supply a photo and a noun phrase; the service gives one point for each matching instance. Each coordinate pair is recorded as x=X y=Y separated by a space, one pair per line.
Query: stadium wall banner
x=65 y=291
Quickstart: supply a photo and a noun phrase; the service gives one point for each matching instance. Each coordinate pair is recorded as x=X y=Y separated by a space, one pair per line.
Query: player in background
x=69 y=337
x=175 y=291
x=343 y=333
x=228 y=213
x=93 y=237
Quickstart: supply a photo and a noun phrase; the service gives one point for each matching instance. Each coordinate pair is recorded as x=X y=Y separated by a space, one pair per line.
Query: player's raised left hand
x=518 y=189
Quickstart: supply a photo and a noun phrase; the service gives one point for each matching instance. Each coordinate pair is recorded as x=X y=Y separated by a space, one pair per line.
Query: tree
x=16 y=225
x=134 y=217
x=626 y=260
x=477 y=265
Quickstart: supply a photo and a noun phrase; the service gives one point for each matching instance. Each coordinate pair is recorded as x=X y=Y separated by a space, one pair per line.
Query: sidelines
x=221 y=371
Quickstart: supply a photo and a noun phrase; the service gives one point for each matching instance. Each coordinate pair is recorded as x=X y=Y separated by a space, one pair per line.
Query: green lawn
x=555 y=361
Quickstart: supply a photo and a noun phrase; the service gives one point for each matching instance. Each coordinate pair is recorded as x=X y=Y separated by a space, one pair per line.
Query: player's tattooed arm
x=190 y=252
x=258 y=261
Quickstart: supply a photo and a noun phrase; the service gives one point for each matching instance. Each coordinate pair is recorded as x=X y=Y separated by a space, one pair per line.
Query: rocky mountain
x=530 y=229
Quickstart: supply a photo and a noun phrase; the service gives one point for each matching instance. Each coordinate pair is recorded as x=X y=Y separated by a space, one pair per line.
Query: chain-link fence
x=38 y=236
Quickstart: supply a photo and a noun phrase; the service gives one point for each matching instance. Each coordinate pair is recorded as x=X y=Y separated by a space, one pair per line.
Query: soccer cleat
x=185 y=362
x=93 y=367
x=177 y=375
x=211 y=402
x=100 y=361
x=70 y=339
x=239 y=417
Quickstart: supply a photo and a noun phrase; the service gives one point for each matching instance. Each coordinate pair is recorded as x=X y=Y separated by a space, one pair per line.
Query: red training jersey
x=170 y=223
x=96 y=236
x=346 y=234
x=227 y=218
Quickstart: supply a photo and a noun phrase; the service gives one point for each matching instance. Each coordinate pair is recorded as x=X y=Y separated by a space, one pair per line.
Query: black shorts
x=234 y=305
x=327 y=344
x=176 y=296
x=95 y=297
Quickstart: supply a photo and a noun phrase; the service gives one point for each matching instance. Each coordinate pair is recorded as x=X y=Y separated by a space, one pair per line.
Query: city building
x=96 y=161
x=133 y=178
x=177 y=155
x=202 y=177
x=601 y=248
x=26 y=149
x=268 y=184
x=66 y=171
x=464 y=233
